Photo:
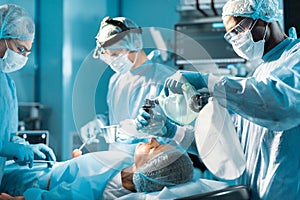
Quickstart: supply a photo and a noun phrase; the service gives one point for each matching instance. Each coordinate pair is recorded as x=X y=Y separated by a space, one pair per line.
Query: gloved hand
x=143 y=120
x=174 y=82
x=43 y=151
x=20 y=153
x=90 y=131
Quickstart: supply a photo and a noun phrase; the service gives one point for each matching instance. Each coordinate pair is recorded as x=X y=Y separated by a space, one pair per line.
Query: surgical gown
x=8 y=113
x=267 y=105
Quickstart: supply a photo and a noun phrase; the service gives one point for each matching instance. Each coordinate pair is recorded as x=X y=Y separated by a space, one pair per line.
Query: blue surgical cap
x=165 y=169
x=266 y=10
x=15 y=22
x=116 y=37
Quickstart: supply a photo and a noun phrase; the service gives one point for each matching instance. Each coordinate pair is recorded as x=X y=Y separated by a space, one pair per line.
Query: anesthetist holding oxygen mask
x=266 y=104
x=16 y=37
x=119 y=44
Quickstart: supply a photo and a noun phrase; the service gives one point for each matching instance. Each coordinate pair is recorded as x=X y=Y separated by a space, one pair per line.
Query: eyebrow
x=18 y=45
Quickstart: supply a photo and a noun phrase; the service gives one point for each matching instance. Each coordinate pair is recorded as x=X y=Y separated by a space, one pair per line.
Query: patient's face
x=146 y=151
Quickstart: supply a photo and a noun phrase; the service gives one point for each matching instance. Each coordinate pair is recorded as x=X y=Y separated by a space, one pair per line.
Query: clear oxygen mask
x=181 y=108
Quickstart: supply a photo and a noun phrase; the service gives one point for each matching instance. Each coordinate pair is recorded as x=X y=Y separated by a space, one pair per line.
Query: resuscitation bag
x=217 y=142
x=177 y=106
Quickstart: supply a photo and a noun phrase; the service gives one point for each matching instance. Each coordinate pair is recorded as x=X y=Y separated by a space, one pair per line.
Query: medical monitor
x=202 y=42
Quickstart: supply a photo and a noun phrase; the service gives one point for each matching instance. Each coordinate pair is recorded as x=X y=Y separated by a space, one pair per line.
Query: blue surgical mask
x=12 y=61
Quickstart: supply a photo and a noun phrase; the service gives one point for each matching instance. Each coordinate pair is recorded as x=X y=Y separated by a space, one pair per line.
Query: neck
x=127 y=178
x=275 y=36
x=2 y=48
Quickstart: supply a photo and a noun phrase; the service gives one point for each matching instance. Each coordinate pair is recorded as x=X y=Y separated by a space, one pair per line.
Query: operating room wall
x=156 y=13
x=68 y=30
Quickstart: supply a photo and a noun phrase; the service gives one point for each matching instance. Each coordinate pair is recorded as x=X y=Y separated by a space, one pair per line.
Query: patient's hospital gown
x=268 y=122
x=90 y=176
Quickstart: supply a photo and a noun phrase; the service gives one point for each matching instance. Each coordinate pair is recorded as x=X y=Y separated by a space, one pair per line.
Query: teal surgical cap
x=266 y=10
x=165 y=169
x=119 y=33
x=15 y=22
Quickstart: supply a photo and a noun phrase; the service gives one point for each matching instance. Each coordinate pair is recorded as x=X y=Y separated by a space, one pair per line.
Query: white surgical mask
x=120 y=64
x=244 y=45
x=12 y=61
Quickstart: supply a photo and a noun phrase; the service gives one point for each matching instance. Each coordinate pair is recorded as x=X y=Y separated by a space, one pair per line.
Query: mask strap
x=265 y=31
x=250 y=29
x=6 y=43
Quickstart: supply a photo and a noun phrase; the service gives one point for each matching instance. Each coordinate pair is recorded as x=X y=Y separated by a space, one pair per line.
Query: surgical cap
x=266 y=10
x=15 y=22
x=112 y=35
x=165 y=169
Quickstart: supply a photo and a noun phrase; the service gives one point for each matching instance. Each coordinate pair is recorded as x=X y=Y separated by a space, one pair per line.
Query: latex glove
x=43 y=151
x=143 y=120
x=91 y=129
x=20 y=153
x=174 y=82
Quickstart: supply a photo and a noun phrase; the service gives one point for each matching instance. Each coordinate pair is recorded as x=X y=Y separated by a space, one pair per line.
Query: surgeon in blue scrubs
x=16 y=37
x=266 y=105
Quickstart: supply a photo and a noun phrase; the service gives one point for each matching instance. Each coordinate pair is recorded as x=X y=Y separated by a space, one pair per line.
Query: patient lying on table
x=109 y=174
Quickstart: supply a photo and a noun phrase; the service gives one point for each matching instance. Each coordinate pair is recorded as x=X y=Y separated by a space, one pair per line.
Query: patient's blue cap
x=15 y=22
x=266 y=10
x=169 y=168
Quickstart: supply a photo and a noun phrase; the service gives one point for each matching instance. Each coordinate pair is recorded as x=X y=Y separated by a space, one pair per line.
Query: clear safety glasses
x=245 y=24
x=21 y=48
x=110 y=57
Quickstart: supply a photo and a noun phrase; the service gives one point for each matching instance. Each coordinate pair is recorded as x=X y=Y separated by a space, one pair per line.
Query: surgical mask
x=244 y=45
x=120 y=64
x=12 y=61
x=177 y=106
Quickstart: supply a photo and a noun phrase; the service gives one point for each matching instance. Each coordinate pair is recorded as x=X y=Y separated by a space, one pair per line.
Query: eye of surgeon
x=242 y=41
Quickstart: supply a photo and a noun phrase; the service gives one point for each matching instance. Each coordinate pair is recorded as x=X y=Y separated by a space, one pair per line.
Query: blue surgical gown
x=8 y=113
x=267 y=105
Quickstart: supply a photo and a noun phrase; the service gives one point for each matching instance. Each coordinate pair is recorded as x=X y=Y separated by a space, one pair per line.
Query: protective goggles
x=245 y=24
x=22 y=49
x=110 y=57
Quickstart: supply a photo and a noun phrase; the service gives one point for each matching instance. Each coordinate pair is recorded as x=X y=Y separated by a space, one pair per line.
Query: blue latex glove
x=43 y=151
x=143 y=119
x=19 y=152
x=174 y=82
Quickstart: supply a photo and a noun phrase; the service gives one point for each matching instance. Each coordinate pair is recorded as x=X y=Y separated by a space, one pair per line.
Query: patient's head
x=160 y=165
